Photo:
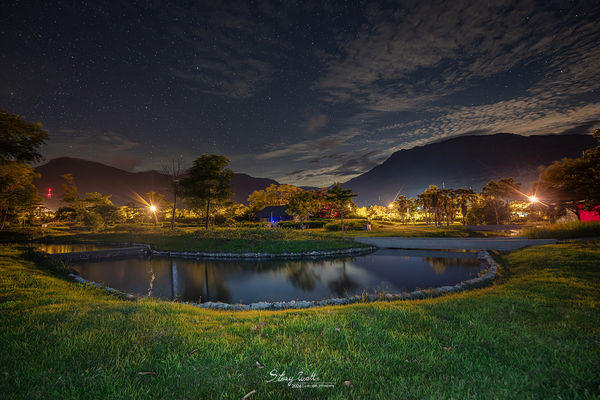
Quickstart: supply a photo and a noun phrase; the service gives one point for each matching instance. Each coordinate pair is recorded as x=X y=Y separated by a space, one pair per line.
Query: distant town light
x=390 y=205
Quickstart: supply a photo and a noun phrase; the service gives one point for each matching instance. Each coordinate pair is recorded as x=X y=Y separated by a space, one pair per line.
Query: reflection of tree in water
x=302 y=274
x=151 y=285
x=343 y=284
x=439 y=264
x=202 y=283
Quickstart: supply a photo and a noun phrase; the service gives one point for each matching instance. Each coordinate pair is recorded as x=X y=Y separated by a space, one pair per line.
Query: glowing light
x=533 y=199
x=390 y=205
x=153 y=208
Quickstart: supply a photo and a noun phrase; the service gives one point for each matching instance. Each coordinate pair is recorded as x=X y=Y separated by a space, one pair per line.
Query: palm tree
x=340 y=196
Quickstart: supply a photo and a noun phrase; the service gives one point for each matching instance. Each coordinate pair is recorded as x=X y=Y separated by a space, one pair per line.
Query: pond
x=235 y=281
x=58 y=248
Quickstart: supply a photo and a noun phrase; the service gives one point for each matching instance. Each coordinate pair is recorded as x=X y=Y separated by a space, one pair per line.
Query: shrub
x=348 y=226
x=564 y=231
x=298 y=225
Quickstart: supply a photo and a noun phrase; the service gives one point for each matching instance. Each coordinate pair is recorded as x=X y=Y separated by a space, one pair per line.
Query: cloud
x=315 y=123
x=412 y=56
x=231 y=53
x=110 y=147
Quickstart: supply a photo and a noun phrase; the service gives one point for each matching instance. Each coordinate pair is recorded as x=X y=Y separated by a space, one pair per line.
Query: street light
x=533 y=199
x=153 y=208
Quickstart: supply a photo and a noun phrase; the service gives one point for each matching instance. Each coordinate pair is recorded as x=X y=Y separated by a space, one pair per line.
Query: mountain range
x=91 y=176
x=465 y=161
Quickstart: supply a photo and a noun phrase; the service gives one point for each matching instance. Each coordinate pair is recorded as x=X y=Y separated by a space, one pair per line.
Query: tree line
x=566 y=185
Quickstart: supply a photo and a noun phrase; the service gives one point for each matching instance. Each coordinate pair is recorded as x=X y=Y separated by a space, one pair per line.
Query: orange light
x=533 y=199
x=153 y=208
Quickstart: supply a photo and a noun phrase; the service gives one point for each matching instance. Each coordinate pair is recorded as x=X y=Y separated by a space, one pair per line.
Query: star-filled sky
x=303 y=92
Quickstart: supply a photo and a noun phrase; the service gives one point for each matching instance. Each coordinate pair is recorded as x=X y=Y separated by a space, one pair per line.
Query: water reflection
x=278 y=280
x=58 y=248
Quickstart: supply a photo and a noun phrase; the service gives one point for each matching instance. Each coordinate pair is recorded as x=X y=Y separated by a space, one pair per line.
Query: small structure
x=273 y=214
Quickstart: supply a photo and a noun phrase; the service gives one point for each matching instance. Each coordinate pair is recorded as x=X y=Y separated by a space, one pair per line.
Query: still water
x=57 y=248
x=234 y=281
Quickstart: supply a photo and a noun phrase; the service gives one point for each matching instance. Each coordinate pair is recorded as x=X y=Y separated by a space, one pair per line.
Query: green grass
x=564 y=231
x=533 y=334
x=213 y=240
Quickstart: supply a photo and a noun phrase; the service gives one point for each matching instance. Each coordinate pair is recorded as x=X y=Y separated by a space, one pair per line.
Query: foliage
x=208 y=181
x=19 y=143
x=19 y=139
x=568 y=230
x=349 y=225
x=572 y=181
x=18 y=195
x=341 y=198
x=497 y=196
x=488 y=211
x=298 y=225
x=273 y=195
x=303 y=204
x=92 y=220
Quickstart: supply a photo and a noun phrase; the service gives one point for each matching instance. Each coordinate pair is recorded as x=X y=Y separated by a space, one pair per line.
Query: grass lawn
x=214 y=240
x=533 y=334
x=564 y=231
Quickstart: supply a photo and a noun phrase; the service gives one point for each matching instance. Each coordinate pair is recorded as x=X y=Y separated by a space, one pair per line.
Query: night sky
x=305 y=93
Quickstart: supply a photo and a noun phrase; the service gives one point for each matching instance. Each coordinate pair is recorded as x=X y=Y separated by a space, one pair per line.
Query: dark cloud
x=304 y=92
x=582 y=129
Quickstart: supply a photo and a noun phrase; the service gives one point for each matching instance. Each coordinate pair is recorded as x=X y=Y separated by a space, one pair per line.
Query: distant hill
x=91 y=176
x=466 y=161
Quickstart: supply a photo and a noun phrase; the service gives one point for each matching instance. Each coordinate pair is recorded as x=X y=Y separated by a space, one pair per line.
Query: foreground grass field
x=534 y=334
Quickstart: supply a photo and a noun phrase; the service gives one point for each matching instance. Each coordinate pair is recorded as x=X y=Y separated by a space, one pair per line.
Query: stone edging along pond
x=487 y=274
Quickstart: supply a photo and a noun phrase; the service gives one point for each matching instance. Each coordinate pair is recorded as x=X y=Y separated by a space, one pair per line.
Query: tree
x=19 y=143
x=101 y=205
x=498 y=194
x=174 y=171
x=303 y=204
x=18 y=194
x=573 y=181
x=20 y=140
x=208 y=181
x=340 y=197
x=465 y=199
x=429 y=201
x=71 y=196
x=273 y=195
x=400 y=205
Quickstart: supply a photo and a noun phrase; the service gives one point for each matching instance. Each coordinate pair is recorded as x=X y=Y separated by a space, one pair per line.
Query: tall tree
x=174 y=171
x=71 y=196
x=273 y=195
x=19 y=144
x=498 y=194
x=572 y=182
x=18 y=194
x=465 y=198
x=340 y=197
x=303 y=204
x=208 y=181
x=19 y=139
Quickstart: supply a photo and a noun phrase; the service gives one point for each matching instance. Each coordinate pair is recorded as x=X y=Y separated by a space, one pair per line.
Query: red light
x=49 y=194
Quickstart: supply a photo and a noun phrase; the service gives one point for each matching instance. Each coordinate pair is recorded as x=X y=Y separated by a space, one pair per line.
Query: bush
x=92 y=220
x=564 y=231
x=348 y=226
x=298 y=225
